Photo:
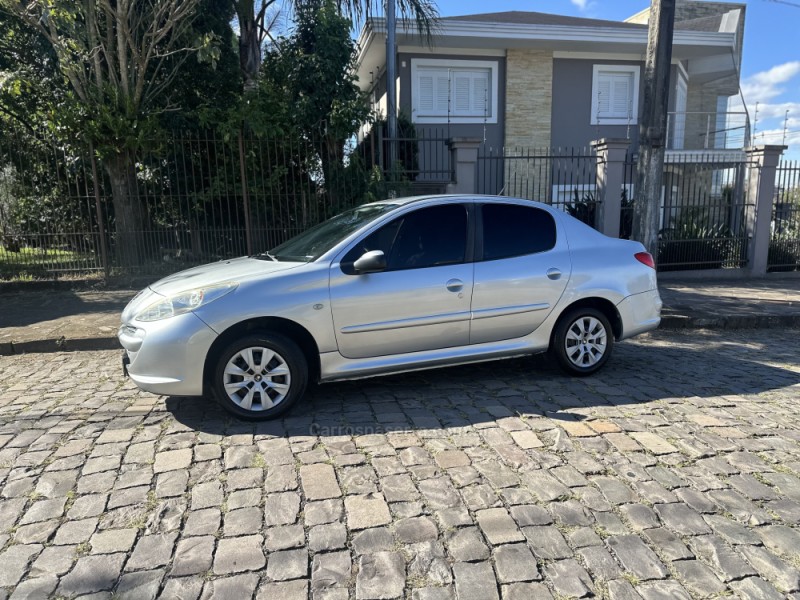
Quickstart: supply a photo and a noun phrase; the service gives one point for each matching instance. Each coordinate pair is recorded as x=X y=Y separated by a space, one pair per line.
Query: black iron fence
x=702 y=211
x=196 y=197
x=564 y=178
x=784 y=245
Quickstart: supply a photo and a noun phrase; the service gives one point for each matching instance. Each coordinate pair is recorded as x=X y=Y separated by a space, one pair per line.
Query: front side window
x=428 y=237
x=512 y=230
x=615 y=94
x=454 y=91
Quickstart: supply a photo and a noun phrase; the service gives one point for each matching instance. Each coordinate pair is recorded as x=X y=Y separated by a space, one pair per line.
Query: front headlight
x=184 y=302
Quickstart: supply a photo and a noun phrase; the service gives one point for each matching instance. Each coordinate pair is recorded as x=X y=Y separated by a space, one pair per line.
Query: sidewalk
x=71 y=320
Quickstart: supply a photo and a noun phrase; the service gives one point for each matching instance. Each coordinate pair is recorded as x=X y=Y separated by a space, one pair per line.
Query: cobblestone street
x=674 y=473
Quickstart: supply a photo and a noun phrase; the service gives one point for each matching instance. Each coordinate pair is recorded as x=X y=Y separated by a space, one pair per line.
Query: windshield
x=315 y=242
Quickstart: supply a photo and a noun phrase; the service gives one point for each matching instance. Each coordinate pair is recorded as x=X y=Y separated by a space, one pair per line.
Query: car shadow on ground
x=717 y=364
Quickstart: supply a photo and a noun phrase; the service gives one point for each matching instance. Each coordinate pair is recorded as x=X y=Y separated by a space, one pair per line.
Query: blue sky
x=771 y=63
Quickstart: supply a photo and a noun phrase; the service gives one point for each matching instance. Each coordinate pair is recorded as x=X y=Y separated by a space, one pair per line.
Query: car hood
x=236 y=269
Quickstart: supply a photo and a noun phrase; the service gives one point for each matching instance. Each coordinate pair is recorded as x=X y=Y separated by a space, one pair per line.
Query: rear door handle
x=455 y=285
x=553 y=274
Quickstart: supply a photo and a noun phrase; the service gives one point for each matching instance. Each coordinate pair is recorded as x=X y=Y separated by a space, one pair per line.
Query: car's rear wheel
x=261 y=376
x=582 y=341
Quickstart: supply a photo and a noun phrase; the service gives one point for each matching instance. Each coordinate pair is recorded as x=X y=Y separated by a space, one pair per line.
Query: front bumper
x=167 y=357
x=640 y=313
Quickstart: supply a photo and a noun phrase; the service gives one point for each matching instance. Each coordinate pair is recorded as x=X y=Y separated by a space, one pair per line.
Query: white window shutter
x=603 y=95
x=620 y=96
x=461 y=94
x=425 y=88
x=442 y=93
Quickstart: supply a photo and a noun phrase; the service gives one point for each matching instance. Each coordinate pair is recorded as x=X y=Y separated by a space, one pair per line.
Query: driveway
x=671 y=474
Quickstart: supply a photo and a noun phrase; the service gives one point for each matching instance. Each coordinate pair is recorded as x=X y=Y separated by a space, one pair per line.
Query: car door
x=421 y=301
x=521 y=270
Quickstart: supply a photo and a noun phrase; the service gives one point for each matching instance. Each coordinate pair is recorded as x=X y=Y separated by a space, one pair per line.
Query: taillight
x=646 y=259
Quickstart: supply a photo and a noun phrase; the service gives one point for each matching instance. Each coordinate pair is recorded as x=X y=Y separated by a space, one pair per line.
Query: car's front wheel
x=260 y=376
x=582 y=341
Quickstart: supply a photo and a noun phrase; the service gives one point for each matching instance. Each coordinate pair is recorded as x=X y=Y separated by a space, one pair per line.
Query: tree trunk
x=249 y=52
x=130 y=213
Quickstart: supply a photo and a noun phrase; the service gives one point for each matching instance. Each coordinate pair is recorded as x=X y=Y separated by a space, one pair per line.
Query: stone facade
x=529 y=93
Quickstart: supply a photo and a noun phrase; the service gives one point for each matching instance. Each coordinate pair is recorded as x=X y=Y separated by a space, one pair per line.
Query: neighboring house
x=528 y=80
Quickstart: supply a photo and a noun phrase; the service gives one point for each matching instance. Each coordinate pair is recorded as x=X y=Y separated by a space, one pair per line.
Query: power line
x=786 y=2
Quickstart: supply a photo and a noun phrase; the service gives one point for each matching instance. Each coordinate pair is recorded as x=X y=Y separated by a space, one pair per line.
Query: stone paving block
x=370 y=541
x=172 y=460
x=92 y=574
x=288 y=564
x=547 y=542
x=731 y=531
x=143 y=585
x=783 y=576
x=755 y=588
x=726 y=563
x=698 y=579
x=326 y=511
x=636 y=557
x=152 y=551
x=206 y=495
x=475 y=581
x=526 y=515
x=380 y=576
x=781 y=540
x=659 y=590
x=54 y=560
x=284 y=537
x=514 y=563
x=467 y=545
x=237 y=586
x=113 y=540
x=75 y=532
x=498 y=526
x=281 y=509
x=14 y=561
x=323 y=538
x=193 y=556
x=38 y=587
x=235 y=555
x=544 y=486
x=600 y=563
x=668 y=544
x=330 y=571
x=366 y=511
x=526 y=591
x=569 y=578
x=283 y=590
x=415 y=529
x=319 y=482
x=43 y=510
x=682 y=519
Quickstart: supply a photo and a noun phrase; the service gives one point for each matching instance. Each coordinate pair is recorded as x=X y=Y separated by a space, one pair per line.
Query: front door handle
x=455 y=285
x=553 y=274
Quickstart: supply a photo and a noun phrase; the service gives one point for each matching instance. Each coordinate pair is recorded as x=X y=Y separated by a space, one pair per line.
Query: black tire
x=262 y=382
x=574 y=327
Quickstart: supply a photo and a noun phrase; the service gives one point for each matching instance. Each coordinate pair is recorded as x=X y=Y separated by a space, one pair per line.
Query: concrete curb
x=670 y=322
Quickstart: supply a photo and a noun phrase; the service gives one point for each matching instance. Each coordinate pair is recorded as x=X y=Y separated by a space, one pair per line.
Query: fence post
x=464 y=163
x=245 y=194
x=99 y=213
x=610 y=177
x=762 y=161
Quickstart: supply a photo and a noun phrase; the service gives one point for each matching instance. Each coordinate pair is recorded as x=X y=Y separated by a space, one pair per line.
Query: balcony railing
x=708 y=130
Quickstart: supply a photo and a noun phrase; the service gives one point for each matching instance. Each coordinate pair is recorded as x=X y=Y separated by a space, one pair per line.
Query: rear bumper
x=167 y=357
x=640 y=313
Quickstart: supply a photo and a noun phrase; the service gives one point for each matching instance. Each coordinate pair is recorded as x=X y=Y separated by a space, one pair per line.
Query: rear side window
x=512 y=230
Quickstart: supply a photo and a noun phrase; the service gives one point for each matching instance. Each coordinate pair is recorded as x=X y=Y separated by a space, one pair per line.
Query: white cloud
x=765 y=85
x=581 y=4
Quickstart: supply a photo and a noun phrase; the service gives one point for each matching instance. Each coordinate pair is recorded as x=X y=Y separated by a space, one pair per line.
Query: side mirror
x=373 y=261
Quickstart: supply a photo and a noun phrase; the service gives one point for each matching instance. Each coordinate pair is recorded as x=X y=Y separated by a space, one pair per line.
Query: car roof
x=467 y=197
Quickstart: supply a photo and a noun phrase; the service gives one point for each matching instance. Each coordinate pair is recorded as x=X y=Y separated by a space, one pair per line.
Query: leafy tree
x=121 y=59
x=254 y=26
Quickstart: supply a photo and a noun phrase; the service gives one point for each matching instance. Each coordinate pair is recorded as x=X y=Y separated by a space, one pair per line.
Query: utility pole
x=391 y=93
x=653 y=124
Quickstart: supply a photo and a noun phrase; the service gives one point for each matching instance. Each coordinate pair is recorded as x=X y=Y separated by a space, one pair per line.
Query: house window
x=453 y=91
x=615 y=94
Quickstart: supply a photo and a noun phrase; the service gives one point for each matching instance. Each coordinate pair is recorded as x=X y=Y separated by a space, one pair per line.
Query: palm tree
x=255 y=25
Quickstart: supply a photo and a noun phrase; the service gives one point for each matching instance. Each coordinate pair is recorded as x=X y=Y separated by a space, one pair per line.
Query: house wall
x=572 y=104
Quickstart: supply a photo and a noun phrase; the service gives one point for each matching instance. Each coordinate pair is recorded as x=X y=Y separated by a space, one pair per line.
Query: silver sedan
x=392 y=286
